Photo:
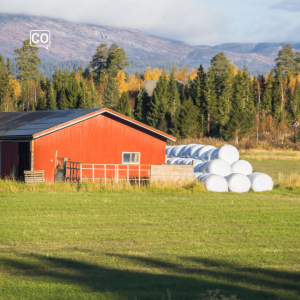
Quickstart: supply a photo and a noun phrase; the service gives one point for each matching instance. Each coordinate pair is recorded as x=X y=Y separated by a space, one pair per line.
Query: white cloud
x=188 y=20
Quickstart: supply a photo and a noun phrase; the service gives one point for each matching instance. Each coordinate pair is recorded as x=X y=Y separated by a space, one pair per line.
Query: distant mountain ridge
x=76 y=41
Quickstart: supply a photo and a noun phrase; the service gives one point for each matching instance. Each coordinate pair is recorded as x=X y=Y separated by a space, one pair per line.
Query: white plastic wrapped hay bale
x=191 y=150
x=173 y=160
x=214 y=183
x=196 y=175
x=168 y=150
x=218 y=167
x=196 y=163
x=186 y=161
x=260 y=182
x=202 y=150
x=242 y=167
x=187 y=151
x=206 y=156
x=196 y=150
x=176 y=151
x=201 y=167
x=178 y=162
x=227 y=152
x=238 y=183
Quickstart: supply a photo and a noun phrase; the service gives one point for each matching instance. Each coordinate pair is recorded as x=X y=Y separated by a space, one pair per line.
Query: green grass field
x=100 y=245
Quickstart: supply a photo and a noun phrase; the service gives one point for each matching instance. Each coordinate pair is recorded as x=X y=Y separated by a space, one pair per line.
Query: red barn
x=33 y=140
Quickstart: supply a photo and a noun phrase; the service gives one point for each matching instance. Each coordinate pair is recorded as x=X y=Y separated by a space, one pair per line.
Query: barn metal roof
x=38 y=123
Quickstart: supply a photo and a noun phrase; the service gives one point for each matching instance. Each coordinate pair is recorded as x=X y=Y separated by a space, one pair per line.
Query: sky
x=198 y=22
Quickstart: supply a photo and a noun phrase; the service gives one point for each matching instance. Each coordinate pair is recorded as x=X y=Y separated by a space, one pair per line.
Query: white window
x=130 y=158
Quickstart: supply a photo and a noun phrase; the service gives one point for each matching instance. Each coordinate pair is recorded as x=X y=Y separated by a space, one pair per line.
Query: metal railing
x=106 y=173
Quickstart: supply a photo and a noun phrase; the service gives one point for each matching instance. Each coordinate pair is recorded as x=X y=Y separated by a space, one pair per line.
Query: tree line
x=222 y=101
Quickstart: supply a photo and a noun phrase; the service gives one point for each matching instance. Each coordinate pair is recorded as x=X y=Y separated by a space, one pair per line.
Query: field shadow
x=159 y=276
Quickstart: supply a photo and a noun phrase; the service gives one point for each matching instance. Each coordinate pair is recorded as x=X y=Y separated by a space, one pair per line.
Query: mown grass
x=120 y=242
x=115 y=245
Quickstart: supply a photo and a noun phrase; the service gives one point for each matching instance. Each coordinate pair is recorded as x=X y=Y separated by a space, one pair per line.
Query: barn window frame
x=131 y=158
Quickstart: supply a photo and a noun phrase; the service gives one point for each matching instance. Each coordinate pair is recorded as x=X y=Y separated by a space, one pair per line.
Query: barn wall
x=9 y=158
x=101 y=139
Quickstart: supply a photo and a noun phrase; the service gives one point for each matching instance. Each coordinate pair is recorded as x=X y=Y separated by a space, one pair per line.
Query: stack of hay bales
x=219 y=169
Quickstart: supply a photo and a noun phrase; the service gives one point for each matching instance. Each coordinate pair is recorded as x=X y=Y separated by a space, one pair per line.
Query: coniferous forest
x=222 y=101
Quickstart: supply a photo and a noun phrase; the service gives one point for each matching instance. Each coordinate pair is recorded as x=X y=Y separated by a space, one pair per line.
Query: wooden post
x=117 y=168
x=127 y=174
x=166 y=158
x=80 y=172
x=139 y=175
x=93 y=166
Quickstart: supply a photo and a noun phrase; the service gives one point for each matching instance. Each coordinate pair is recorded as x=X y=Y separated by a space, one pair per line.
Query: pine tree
x=296 y=101
x=73 y=90
x=285 y=59
x=99 y=60
x=116 y=60
x=27 y=62
x=51 y=99
x=223 y=107
x=197 y=90
x=83 y=98
x=9 y=68
x=158 y=104
x=239 y=122
x=219 y=67
x=94 y=98
x=146 y=99
x=173 y=96
x=123 y=105
x=41 y=103
x=267 y=96
x=63 y=101
x=139 y=113
x=210 y=100
x=188 y=119
x=111 y=94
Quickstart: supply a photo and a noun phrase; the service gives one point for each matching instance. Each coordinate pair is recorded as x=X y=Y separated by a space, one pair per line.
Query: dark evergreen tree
x=240 y=123
x=98 y=62
x=188 y=119
x=173 y=96
x=83 y=98
x=73 y=90
x=159 y=104
x=27 y=62
x=111 y=94
x=94 y=98
x=63 y=101
x=123 y=105
x=267 y=96
x=285 y=59
x=219 y=67
x=295 y=103
x=116 y=60
x=9 y=68
x=139 y=114
x=210 y=100
x=197 y=89
x=51 y=99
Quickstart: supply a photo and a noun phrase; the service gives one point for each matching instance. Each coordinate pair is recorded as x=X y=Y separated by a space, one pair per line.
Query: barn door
x=24 y=158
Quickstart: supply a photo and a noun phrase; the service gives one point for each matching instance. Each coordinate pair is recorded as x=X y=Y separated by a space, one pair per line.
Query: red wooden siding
x=100 y=139
x=9 y=158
